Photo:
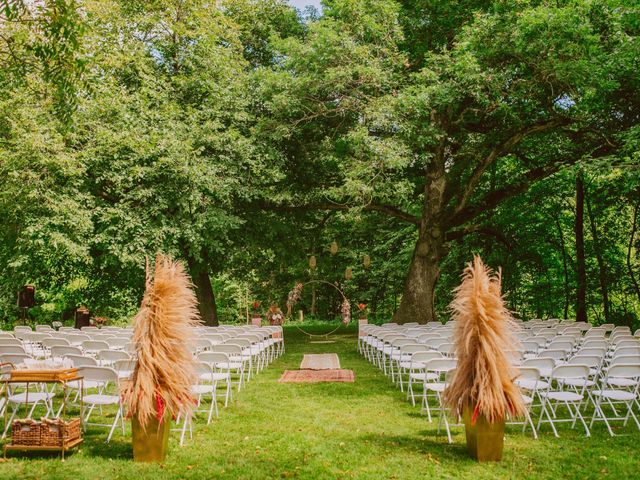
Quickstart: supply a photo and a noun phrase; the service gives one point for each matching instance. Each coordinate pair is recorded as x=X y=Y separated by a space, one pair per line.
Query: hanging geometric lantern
x=334 y=248
x=312 y=262
x=366 y=261
x=348 y=273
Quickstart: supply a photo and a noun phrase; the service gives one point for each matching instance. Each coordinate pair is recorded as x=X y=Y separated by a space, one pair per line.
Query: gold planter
x=485 y=440
x=150 y=445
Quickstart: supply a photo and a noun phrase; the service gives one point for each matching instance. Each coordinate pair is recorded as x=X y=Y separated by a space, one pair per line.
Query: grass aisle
x=328 y=431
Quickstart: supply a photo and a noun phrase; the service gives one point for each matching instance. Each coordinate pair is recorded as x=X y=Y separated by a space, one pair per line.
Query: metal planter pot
x=151 y=445
x=485 y=440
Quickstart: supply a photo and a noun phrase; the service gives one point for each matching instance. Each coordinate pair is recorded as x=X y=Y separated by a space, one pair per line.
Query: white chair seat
x=422 y=376
x=231 y=365
x=100 y=399
x=436 y=386
x=621 y=382
x=124 y=373
x=531 y=384
x=201 y=389
x=562 y=396
x=33 y=397
x=618 y=395
x=75 y=385
x=219 y=376
x=579 y=382
x=527 y=399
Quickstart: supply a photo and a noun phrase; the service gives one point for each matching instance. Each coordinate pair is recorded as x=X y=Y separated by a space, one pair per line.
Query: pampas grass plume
x=162 y=334
x=483 y=336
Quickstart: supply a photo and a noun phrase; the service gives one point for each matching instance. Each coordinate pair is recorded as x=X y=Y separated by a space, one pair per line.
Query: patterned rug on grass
x=315 y=376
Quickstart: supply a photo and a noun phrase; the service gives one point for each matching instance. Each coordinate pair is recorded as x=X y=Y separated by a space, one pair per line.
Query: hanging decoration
x=366 y=261
x=334 y=248
x=312 y=262
x=348 y=273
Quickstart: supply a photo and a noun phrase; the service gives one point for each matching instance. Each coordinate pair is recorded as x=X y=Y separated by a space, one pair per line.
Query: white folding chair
x=103 y=376
x=620 y=386
x=571 y=397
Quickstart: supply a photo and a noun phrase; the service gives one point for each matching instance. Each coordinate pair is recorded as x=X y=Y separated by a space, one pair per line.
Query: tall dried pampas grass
x=483 y=338
x=164 y=374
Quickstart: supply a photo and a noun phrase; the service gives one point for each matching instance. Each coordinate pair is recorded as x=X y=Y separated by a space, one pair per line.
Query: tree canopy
x=245 y=137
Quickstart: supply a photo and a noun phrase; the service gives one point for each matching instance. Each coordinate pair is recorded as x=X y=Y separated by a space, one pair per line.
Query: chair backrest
x=228 y=348
x=447 y=348
x=99 y=374
x=117 y=342
x=622 y=351
x=94 y=345
x=540 y=362
x=625 y=371
x=557 y=355
x=434 y=343
x=6 y=349
x=419 y=359
x=112 y=355
x=124 y=365
x=54 y=342
x=77 y=338
x=600 y=352
x=35 y=337
x=591 y=361
x=62 y=350
x=529 y=346
x=14 y=358
x=242 y=342
x=440 y=365
x=565 y=372
x=625 y=360
x=561 y=345
x=400 y=342
x=597 y=343
x=44 y=328
x=412 y=348
x=214 y=338
x=628 y=344
x=10 y=341
x=219 y=359
x=82 y=360
x=529 y=373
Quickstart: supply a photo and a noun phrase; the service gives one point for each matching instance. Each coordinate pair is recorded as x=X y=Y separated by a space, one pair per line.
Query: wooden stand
x=26 y=380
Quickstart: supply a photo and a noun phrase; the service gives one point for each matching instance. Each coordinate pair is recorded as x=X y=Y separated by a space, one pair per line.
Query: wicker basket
x=52 y=431
x=26 y=432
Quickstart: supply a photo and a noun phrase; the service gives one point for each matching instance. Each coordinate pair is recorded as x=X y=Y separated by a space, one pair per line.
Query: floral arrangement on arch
x=294 y=296
x=275 y=315
x=346 y=311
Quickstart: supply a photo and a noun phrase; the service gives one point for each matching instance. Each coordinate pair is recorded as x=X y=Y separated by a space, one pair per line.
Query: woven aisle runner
x=323 y=367
x=321 y=361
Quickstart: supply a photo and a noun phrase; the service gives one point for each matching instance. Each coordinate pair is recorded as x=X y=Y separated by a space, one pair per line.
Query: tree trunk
x=418 y=297
x=565 y=267
x=204 y=290
x=602 y=269
x=630 y=247
x=581 y=280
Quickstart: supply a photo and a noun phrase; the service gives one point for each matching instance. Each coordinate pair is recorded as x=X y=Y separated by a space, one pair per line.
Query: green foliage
x=244 y=139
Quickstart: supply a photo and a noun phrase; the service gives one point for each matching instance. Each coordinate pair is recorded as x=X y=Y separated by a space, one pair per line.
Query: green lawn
x=328 y=431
